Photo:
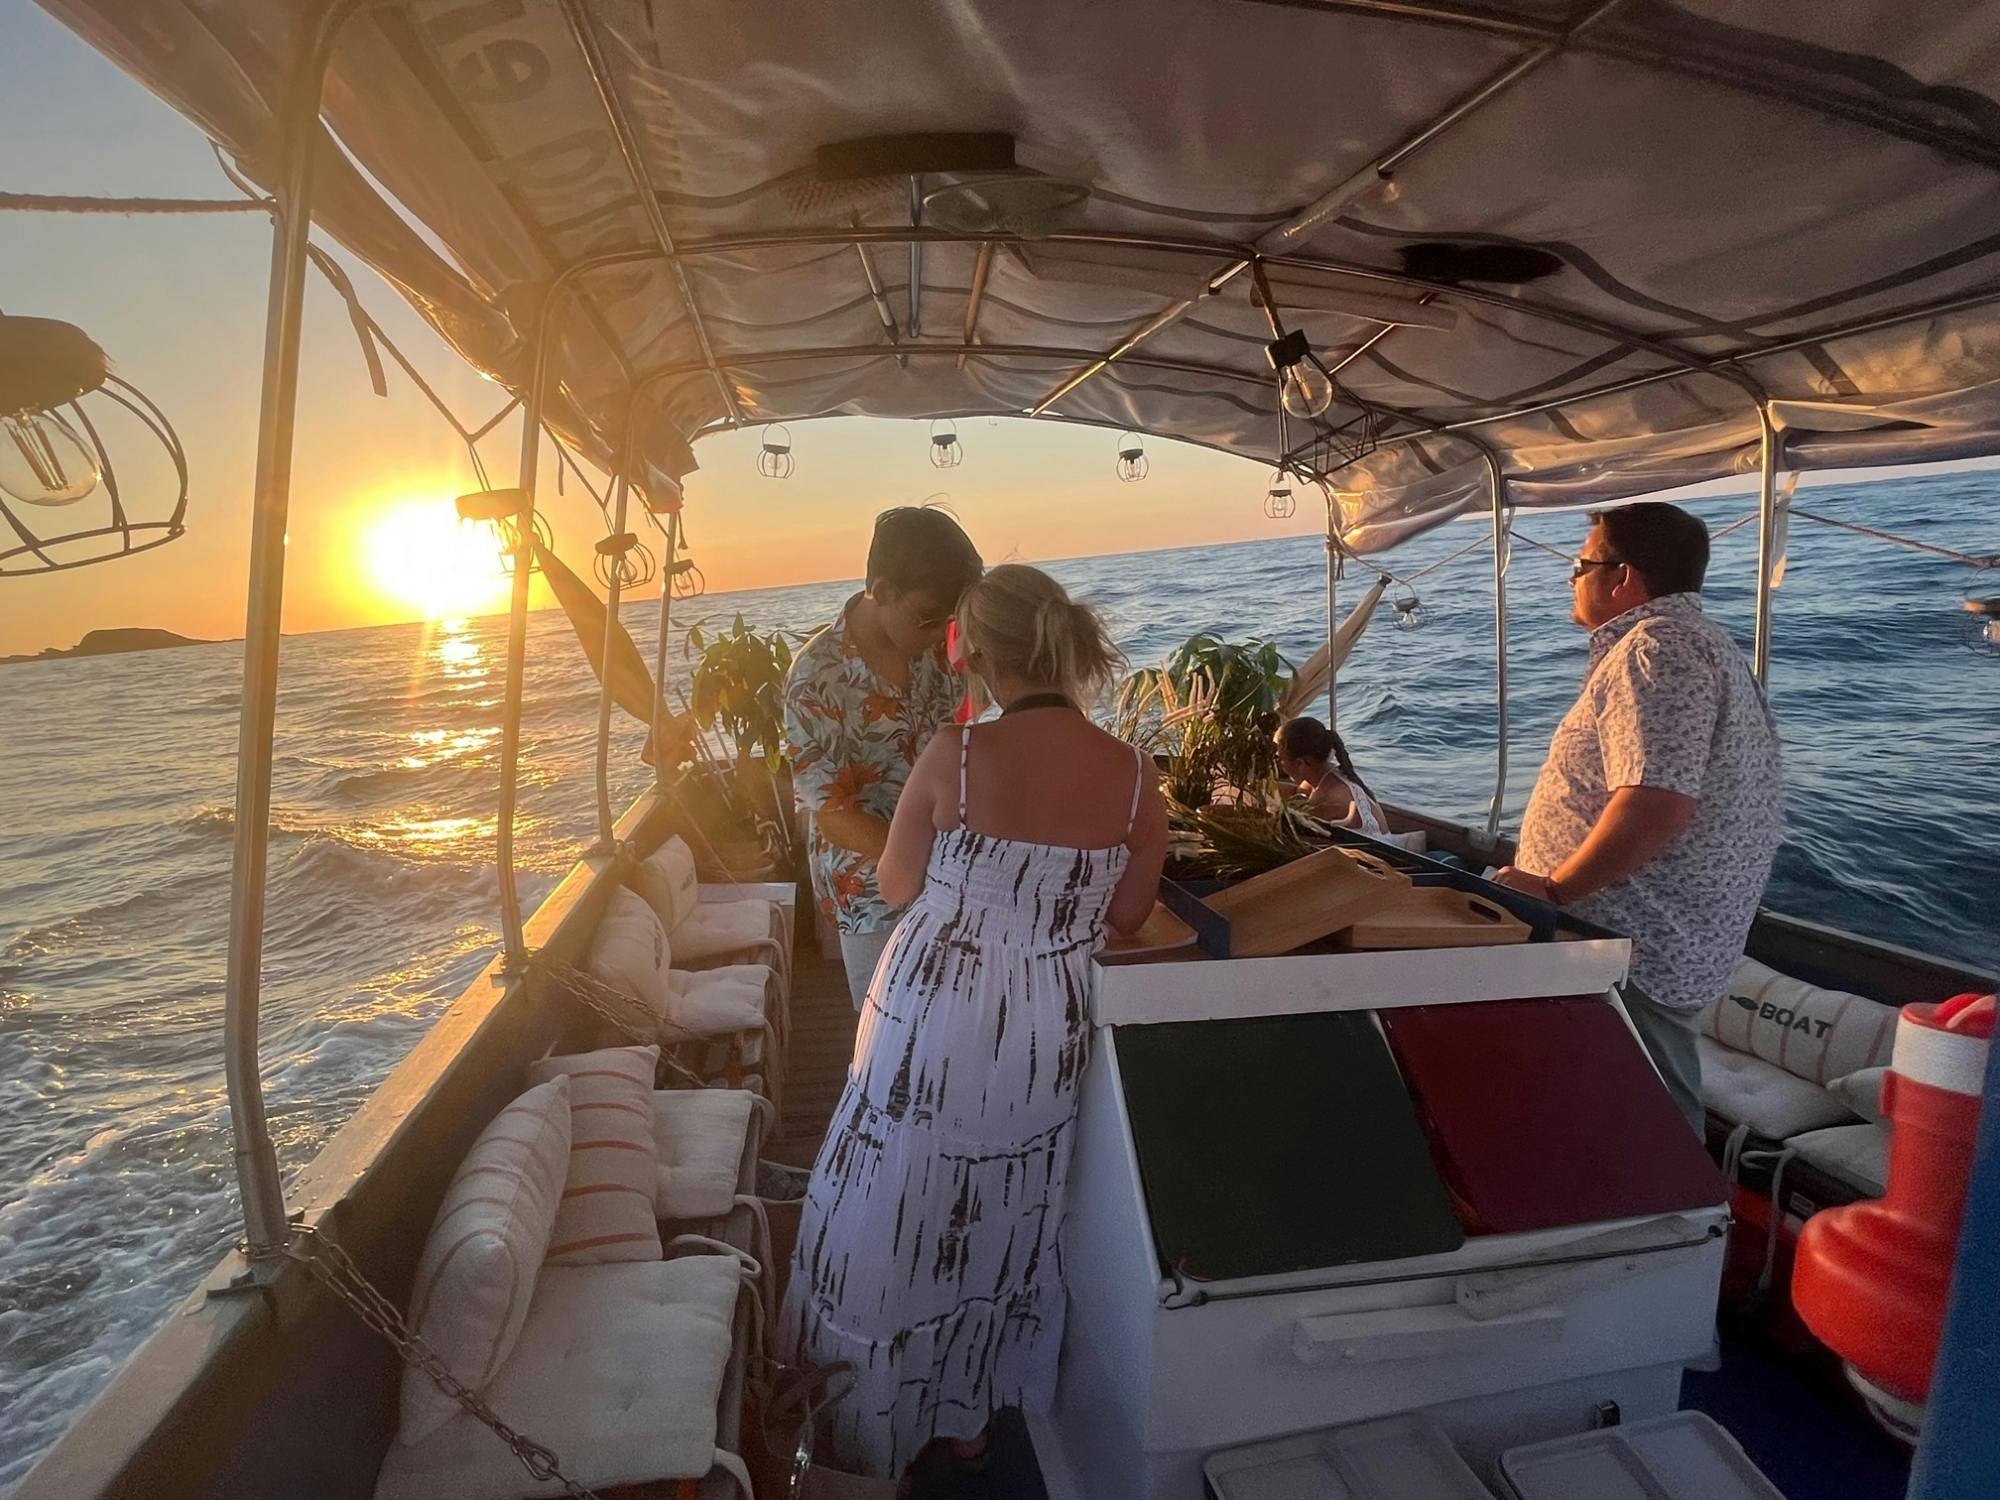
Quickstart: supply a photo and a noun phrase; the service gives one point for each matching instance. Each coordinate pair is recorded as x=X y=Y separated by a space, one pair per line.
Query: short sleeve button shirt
x=1668 y=702
x=853 y=738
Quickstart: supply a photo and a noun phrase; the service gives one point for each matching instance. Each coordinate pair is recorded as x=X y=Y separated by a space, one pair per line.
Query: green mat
x=1278 y=1144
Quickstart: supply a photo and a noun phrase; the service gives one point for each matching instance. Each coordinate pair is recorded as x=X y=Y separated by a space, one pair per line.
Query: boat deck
x=822 y=1043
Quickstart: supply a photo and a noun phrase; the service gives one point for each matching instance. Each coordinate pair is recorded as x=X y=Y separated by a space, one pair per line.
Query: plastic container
x=1398 y=1458
x=1682 y=1456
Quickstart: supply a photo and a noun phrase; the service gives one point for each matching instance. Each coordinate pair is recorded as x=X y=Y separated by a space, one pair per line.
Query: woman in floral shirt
x=863 y=699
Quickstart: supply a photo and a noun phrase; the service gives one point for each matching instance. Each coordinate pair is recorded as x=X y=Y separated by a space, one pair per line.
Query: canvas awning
x=1735 y=202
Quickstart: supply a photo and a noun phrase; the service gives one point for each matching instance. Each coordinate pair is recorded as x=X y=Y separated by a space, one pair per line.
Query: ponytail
x=1311 y=740
x=1020 y=619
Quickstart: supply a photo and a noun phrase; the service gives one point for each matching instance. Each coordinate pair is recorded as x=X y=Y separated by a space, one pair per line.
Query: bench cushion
x=480 y=1262
x=714 y=928
x=618 y=1369
x=699 y=1136
x=1749 y=1091
x=714 y=1002
x=1857 y=1155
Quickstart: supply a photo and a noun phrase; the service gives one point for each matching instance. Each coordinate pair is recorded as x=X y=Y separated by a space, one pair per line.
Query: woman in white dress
x=929 y=1253
x=1313 y=755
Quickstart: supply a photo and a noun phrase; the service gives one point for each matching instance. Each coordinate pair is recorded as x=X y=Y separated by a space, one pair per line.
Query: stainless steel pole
x=1502 y=549
x=667 y=562
x=257 y=1178
x=606 y=837
x=1332 y=617
x=1767 y=512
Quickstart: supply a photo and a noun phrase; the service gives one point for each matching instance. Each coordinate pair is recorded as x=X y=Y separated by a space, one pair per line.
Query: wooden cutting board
x=1161 y=931
x=1436 y=916
x=1304 y=901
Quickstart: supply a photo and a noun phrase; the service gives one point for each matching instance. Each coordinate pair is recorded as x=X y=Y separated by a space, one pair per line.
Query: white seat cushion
x=630 y=950
x=667 y=881
x=1861 y=1091
x=618 y=1369
x=1816 y=1034
x=699 y=1136
x=713 y=1002
x=714 y=928
x=1856 y=1154
x=480 y=1261
x=608 y=1200
x=1750 y=1091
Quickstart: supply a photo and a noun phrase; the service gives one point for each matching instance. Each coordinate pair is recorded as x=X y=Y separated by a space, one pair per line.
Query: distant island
x=111 y=643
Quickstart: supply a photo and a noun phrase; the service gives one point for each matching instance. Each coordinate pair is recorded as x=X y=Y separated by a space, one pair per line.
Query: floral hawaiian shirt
x=853 y=739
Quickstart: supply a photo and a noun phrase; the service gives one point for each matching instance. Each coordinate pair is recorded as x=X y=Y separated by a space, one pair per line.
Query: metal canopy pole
x=1767 y=514
x=915 y=321
x=607 y=840
x=263 y=1194
x=578 y=18
x=1332 y=615
x=667 y=563
x=512 y=936
x=1502 y=549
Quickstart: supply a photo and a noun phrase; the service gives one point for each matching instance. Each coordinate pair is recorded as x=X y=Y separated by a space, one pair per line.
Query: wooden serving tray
x=1437 y=916
x=1161 y=931
x=1304 y=901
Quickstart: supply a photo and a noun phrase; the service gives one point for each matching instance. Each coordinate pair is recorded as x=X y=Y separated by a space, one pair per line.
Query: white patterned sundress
x=929 y=1253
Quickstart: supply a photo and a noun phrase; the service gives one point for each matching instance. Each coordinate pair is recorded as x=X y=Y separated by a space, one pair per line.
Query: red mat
x=1543 y=1113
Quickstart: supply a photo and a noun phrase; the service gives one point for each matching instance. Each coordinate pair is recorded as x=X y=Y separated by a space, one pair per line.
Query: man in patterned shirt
x=1661 y=804
x=864 y=697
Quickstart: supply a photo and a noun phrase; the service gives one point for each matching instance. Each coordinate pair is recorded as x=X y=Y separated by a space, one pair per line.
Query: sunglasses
x=1584 y=564
x=934 y=621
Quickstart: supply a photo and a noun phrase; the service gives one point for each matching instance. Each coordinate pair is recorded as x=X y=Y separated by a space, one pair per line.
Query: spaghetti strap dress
x=929 y=1252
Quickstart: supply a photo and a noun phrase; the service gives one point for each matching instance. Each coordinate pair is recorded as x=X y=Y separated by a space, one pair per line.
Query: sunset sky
x=178 y=305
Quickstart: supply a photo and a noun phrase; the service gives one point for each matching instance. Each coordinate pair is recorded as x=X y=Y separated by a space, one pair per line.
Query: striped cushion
x=630 y=950
x=608 y=1197
x=667 y=881
x=486 y=1245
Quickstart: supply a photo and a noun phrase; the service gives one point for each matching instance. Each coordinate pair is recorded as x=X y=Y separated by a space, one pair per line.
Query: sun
x=418 y=555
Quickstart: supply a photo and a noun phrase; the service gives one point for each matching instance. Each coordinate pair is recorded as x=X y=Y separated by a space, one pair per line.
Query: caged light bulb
x=774 y=459
x=1132 y=465
x=43 y=461
x=946 y=451
x=1305 y=389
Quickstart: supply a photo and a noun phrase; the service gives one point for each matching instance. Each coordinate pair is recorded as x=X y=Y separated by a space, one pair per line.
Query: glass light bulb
x=1306 y=390
x=43 y=461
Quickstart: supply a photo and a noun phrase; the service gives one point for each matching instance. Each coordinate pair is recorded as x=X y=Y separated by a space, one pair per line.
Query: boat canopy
x=1598 y=244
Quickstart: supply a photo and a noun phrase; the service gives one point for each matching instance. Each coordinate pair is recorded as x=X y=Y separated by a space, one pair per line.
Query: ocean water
x=115 y=1186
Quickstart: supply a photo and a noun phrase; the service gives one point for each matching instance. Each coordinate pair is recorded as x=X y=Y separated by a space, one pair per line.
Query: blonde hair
x=1022 y=621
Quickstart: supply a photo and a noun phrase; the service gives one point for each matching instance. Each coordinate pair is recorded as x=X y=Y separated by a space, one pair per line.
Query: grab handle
x=1398 y=1333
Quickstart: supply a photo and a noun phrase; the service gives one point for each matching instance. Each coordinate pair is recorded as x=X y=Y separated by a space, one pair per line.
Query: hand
x=1517 y=879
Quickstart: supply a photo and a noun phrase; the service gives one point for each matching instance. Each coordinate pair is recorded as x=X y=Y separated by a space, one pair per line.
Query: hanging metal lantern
x=774 y=460
x=53 y=455
x=1279 y=503
x=1982 y=624
x=1132 y=464
x=687 y=582
x=1408 y=611
x=500 y=512
x=946 y=452
x=624 y=557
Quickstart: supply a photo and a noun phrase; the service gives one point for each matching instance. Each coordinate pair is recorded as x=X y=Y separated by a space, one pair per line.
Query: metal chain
x=336 y=1270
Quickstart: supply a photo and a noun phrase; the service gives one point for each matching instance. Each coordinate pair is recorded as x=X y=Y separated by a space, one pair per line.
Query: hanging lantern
x=500 y=511
x=774 y=460
x=946 y=453
x=1279 y=503
x=1408 y=611
x=53 y=455
x=1982 y=624
x=1132 y=464
x=625 y=558
x=687 y=582
x=1305 y=386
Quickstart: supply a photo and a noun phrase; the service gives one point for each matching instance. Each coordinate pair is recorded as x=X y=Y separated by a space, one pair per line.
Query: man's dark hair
x=1662 y=543
x=923 y=549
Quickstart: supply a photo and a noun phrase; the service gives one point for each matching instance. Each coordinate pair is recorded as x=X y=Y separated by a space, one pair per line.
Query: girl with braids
x=1312 y=755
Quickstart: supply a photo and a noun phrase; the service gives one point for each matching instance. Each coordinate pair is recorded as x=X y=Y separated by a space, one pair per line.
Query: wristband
x=1555 y=895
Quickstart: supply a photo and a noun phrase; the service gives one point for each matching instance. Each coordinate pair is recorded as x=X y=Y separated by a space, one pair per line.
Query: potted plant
x=737 y=693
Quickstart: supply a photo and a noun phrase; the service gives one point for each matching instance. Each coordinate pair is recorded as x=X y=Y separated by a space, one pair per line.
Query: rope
x=1461 y=552
x=64 y=203
x=1971 y=560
